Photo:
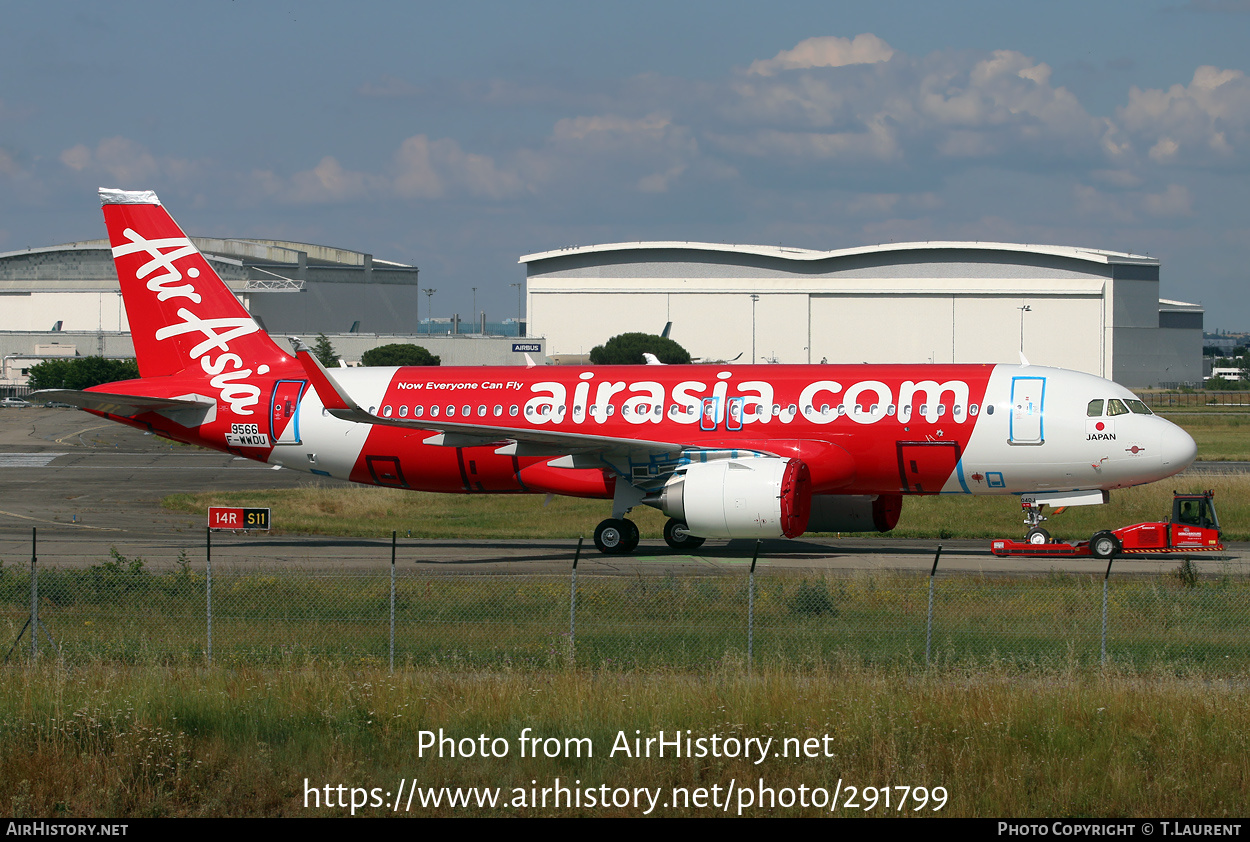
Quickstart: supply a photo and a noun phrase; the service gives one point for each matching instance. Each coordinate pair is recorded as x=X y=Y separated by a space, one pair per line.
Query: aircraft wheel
x=613 y=536
x=632 y=536
x=677 y=535
x=1104 y=545
x=1037 y=535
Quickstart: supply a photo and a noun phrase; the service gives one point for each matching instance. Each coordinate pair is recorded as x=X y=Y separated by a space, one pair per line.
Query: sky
x=460 y=136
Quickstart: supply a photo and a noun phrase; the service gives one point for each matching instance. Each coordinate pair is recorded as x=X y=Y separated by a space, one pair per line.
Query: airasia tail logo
x=167 y=281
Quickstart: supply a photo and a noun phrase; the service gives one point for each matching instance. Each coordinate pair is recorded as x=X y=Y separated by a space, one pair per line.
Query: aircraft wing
x=124 y=406
x=513 y=440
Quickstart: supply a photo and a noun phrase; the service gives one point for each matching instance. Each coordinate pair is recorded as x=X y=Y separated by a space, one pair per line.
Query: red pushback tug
x=1192 y=528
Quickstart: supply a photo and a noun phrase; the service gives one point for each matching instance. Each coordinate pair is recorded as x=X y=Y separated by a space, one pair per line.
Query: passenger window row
x=735 y=410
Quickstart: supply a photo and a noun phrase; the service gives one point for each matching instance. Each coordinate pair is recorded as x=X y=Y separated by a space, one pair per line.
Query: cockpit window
x=1138 y=408
x=1116 y=407
x=1094 y=410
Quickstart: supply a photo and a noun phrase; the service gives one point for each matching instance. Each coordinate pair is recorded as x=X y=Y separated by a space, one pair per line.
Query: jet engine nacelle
x=763 y=497
x=854 y=512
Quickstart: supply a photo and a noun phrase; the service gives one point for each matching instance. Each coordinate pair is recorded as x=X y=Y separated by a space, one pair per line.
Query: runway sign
x=222 y=517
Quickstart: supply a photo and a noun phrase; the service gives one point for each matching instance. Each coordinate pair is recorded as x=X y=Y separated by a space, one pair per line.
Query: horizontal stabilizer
x=124 y=406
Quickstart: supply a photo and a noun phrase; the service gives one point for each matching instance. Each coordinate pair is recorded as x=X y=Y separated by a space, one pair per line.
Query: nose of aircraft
x=1178 y=449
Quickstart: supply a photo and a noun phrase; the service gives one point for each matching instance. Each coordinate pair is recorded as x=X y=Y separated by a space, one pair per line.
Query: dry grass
x=110 y=741
x=1221 y=435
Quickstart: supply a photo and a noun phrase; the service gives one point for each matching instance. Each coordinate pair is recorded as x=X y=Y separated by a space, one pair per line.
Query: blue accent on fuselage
x=959 y=472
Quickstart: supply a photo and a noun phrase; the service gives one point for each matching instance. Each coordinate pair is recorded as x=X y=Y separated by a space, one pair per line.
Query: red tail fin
x=182 y=316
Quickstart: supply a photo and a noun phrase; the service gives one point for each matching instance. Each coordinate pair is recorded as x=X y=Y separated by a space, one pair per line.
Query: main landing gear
x=617 y=536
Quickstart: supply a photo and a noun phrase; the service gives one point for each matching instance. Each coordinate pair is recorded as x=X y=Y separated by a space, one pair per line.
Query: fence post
x=208 y=588
x=573 y=603
x=1106 y=576
x=928 y=635
x=394 y=533
x=751 y=609
x=34 y=598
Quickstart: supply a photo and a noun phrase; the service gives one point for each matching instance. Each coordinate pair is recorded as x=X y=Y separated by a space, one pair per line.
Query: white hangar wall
x=1088 y=310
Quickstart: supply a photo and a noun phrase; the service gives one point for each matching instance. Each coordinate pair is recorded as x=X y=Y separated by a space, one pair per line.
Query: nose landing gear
x=1033 y=520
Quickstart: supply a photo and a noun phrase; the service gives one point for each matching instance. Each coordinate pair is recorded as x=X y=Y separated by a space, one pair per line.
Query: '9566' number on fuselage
x=246 y=435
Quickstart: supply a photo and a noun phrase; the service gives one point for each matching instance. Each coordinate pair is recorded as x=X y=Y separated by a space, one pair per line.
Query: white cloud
x=611 y=128
x=1000 y=105
x=825 y=51
x=427 y=168
x=127 y=163
x=876 y=143
x=1006 y=89
x=1164 y=150
x=421 y=168
x=652 y=150
x=1204 y=122
x=329 y=182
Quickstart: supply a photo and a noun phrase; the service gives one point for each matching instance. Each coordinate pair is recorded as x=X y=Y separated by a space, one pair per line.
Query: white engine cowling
x=763 y=497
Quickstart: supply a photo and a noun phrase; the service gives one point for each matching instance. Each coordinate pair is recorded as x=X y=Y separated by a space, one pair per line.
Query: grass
x=694 y=623
x=1221 y=435
x=124 y=741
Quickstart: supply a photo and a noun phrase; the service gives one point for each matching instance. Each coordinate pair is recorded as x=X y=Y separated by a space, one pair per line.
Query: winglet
x=331 y=393
x=651 y=358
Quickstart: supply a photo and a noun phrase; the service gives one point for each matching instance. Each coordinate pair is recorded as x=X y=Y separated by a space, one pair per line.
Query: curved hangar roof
x=244 y=264
x=807 y=255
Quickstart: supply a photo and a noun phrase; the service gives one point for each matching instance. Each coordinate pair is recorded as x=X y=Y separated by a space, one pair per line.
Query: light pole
x=429 y=306
x=1023 y=309
x=754 y=298
x=475 y=318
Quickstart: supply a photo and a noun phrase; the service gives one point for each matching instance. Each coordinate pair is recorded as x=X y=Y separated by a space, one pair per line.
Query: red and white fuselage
x=834 y=443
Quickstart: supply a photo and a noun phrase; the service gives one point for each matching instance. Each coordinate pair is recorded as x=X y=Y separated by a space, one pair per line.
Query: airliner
x=725 y=451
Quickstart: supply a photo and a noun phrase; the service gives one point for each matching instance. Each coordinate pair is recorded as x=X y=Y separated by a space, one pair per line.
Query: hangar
x=65 y=301
x=1078 y=308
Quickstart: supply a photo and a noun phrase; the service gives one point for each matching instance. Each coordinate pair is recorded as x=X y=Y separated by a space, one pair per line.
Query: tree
x=324 y=351
x=399 y=354
x=80 y=372
x=628 y=348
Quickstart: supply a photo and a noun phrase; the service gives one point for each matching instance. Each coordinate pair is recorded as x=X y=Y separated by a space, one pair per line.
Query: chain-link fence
x=245 y=609
x=1195 y=398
